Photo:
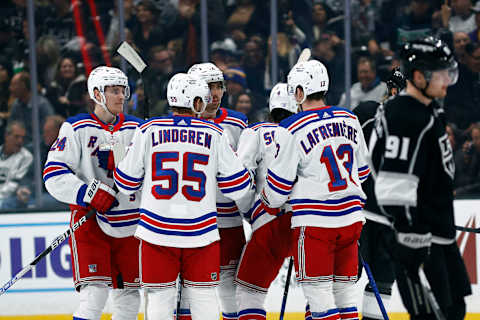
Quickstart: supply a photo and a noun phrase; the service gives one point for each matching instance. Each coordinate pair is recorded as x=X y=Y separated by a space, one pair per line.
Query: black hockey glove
x=412 y=249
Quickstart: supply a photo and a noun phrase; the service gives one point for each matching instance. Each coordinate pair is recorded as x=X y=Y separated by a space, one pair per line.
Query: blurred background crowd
x=74 y=36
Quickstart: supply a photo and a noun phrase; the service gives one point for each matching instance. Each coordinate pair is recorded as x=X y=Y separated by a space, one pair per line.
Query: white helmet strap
x=103 y=103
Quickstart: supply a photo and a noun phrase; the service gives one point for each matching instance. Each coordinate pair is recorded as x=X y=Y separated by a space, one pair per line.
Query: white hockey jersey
x=322 y=159
x=257 y=149
x=233 y=122
x=179 y=160
x=72 y=163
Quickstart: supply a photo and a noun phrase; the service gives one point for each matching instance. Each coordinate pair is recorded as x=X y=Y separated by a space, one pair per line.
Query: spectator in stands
x=112 y=34
x=332 y=56
x=161 y=67
x=364 y=14
x=15 y=162
x=461 y=110
x=368 y=87
x=224 y=54
x=22 y=107
x=463 y=19
x=248 y=17
x=59 y=23
x=467 y=164
x=147 y=32
x=453 y=136
x=65 y=76
x=245 y=103
x=235 y=81
x=254 y=64
x=460 y=40
x=323 y=21
x=6 y=99
x=475 y=34
x=48 y=56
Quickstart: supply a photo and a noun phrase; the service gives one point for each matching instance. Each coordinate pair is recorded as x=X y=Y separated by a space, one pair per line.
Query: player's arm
x=249 y=153
x=130 y=171
x=283 y=171
x=61 y=181
x=233 y=179
x=362 y=155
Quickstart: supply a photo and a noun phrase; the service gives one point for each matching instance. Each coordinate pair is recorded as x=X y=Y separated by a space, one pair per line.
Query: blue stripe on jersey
x=279 y=179
x=330 y=201
x=81 y=195
x=277 y=190
x=326 y=213
x=79 y=117
x=110 y=212
x=127 y=177
x=177 y=233
x=118 y=224
x=121 y=185
x=232 y=123
x=175 y=220
x=232 y=177
x=87 y=125
x=55 y=173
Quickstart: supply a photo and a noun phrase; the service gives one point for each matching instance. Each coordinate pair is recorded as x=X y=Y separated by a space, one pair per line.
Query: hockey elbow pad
x=100 y=196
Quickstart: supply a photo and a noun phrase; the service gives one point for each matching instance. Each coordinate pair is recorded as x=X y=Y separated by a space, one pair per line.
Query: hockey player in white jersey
x=232 y=236
x=180 y=160
x=321 y=162
x=79 y=171
x=271 y=240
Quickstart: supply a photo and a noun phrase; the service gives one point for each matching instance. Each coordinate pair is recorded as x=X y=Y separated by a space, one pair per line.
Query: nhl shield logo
x=213 y=276
x=92 y=268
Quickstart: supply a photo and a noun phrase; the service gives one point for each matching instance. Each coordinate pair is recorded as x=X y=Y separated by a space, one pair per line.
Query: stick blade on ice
x=126 y=51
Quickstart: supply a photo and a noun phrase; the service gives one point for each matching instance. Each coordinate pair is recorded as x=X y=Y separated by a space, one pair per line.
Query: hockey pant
x=326 y=265
x=232 y=241
x=376 y=243
x=262 y=258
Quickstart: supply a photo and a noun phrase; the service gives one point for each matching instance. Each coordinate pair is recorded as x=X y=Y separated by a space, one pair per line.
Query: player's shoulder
x=262 y=125
x=406 y=111
x=83 y=120
x=196 y=122
x=300 y=120
x=234 y=118
x=155 y=121
x=366 y=110
x=130 y=118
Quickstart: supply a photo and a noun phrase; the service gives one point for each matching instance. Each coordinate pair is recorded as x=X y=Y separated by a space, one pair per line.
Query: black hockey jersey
x=366 y=112
x=415 y=178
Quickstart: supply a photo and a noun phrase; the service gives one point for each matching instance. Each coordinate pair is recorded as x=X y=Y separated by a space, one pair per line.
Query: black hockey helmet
x=396 y=80
x=428 y=55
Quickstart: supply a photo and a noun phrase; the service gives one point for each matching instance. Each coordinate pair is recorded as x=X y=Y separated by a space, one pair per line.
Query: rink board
x=48 y=293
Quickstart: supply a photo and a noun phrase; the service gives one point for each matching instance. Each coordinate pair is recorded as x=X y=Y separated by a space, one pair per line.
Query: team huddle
x=171 y=194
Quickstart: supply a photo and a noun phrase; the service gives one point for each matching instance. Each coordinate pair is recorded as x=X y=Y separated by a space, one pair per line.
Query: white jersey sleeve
x=62 y=163
x=283 y=171
x=129 y=173
x=248 y=152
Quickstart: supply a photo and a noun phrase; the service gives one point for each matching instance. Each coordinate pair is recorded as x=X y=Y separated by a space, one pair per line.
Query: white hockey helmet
x=182 y=90
x=310 y=75
x=102 y=77
x=207 y=71
x=281 y=99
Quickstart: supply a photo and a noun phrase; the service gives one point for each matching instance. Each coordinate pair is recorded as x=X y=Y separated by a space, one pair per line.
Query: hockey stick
x=430 y=296
x=179 y=298
x=287 y=285
x=474 y=230
x=55 y=243
x=374 y=287
x=127 y=52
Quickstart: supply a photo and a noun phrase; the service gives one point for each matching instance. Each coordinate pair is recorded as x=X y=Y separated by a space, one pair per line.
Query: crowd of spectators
x=74 y=36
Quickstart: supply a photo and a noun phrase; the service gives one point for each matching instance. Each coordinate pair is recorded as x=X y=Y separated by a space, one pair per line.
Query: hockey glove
x=106 y=159
x=100 y=196
x=412 y=249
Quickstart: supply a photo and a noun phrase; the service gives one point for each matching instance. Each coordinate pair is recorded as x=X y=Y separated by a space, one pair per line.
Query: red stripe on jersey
x=196 y=226
x=122 y=217
x=235 y=182
x=123 y=181
x=302 y=120
x=333 y=207
x=50 y=169
x=279 y=184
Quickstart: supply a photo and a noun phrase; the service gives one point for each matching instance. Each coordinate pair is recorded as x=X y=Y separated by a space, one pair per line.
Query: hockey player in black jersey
x=377 y=237
x=414 y=184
